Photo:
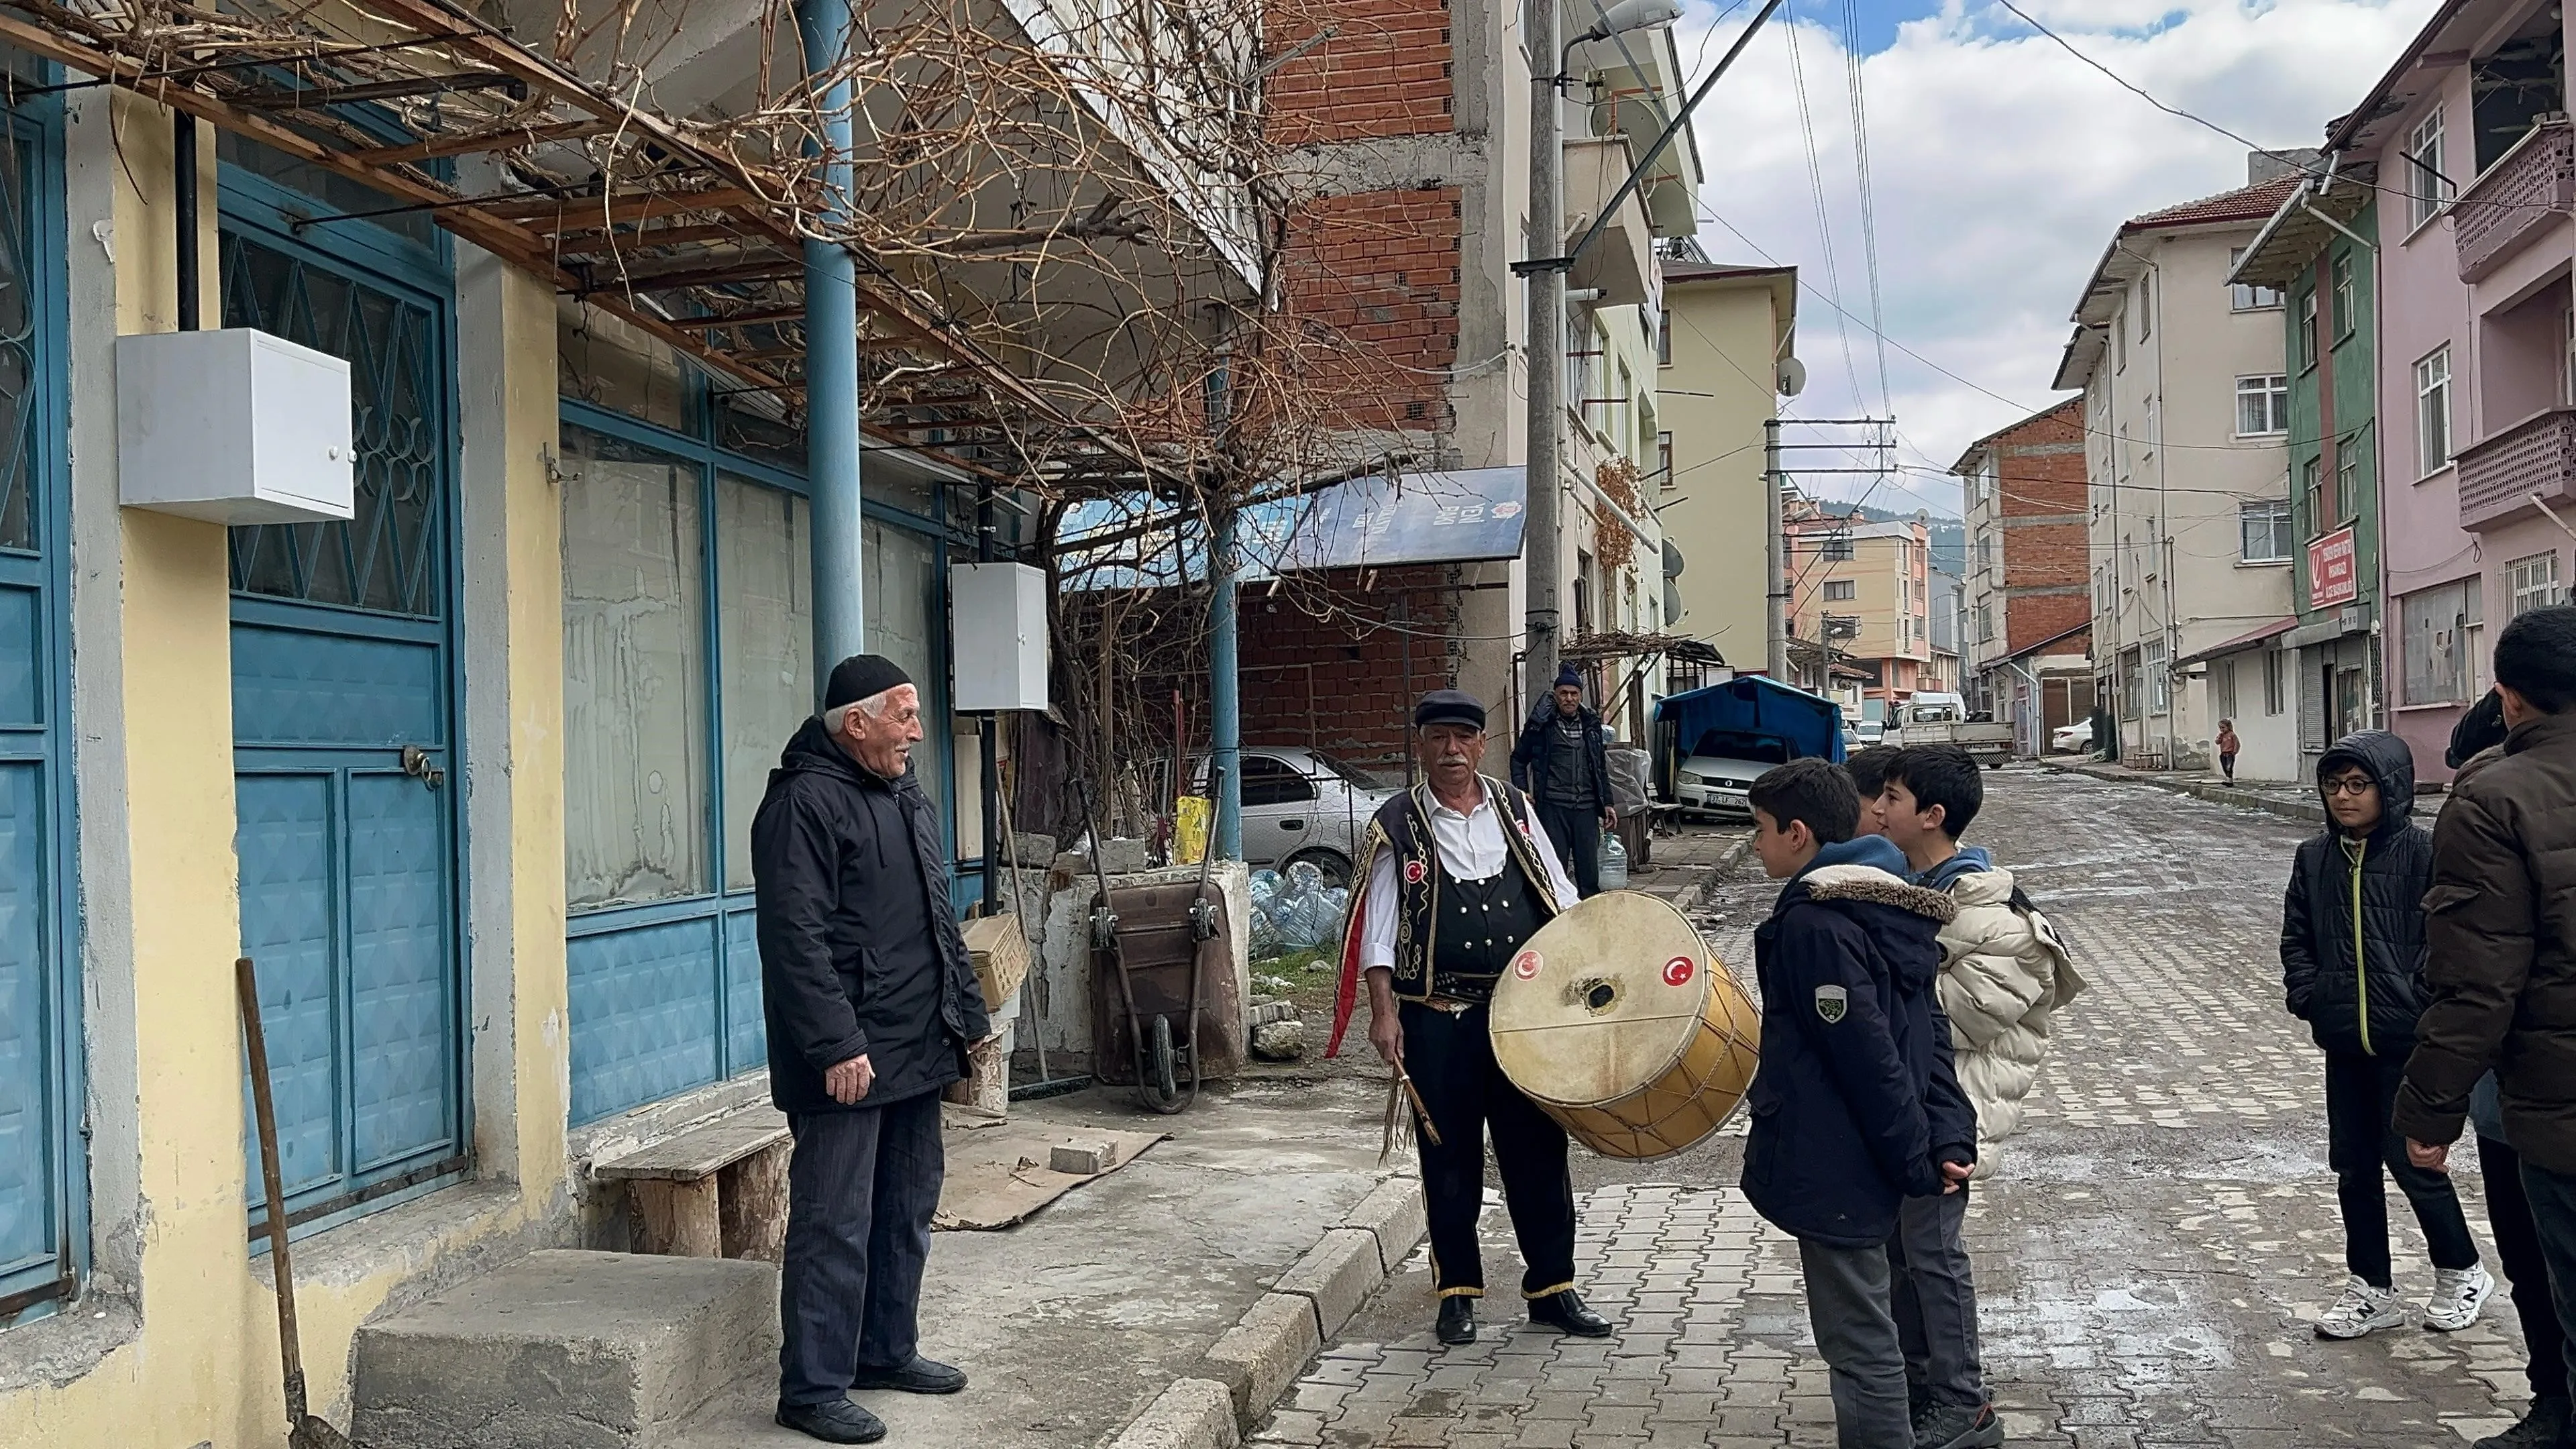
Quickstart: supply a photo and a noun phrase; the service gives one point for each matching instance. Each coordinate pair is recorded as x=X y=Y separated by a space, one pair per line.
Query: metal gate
x=343 y=721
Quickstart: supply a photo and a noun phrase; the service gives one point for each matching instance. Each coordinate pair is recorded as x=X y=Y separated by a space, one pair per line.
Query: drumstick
x=1400 y=1089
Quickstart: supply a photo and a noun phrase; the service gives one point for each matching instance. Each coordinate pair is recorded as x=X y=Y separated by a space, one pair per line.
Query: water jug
x=1614 y=862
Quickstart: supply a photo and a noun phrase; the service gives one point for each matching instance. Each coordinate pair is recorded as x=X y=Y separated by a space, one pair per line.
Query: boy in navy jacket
x=1857 y=1105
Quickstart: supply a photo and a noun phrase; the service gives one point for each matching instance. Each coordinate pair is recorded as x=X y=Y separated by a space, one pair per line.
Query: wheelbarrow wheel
x=1163 y=1087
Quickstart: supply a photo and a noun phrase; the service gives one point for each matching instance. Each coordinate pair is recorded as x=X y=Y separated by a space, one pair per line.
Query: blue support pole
x=832 y=365
x=1225 y=697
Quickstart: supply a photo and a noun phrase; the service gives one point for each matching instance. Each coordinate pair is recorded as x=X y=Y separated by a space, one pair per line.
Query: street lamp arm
x=1637 y=175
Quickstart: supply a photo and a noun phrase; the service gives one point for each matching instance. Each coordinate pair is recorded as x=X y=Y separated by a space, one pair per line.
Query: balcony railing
x=2501 y=475
x=2526 y=191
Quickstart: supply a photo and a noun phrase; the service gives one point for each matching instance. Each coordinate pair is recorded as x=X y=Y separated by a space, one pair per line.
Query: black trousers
x=2517 y=1240
x=1450 y=1057
x=1575 y=831
x=861 y=1188
x=2552 y=1198
x=2361 y=1094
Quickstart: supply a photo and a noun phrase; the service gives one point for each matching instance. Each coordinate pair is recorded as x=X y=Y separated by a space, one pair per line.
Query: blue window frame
x=346 y=674
x=43 y=1176
x=674 y=607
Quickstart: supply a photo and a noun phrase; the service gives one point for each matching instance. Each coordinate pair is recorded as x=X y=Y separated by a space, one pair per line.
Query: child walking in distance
x=2352 y=962
x=2228 y=745
x=1856 y=1107
x=2004 y=974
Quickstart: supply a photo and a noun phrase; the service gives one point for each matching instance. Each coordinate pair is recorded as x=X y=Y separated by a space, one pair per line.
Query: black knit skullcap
x=862 y=676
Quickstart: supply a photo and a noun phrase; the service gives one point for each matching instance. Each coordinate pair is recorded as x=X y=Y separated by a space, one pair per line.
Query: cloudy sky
x=1999 y=164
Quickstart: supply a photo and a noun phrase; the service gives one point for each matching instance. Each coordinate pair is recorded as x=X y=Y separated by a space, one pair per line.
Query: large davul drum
x=1622 y=1025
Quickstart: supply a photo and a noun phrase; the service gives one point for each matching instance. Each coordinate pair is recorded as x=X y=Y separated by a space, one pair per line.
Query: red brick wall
x=1385 y=71
x=1377 y=272
x=1354 y=662
x=2035 y=619
x=2039 y=474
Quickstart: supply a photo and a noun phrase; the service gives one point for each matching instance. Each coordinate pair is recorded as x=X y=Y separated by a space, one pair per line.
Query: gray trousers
x=1935 y=1298
x=861 y=1188
x=1847 y=1305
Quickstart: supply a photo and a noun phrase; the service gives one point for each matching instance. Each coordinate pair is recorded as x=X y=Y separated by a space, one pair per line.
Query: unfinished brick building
x=2027 y=645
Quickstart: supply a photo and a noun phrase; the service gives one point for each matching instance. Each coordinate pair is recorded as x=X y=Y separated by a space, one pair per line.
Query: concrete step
x=565 y=1350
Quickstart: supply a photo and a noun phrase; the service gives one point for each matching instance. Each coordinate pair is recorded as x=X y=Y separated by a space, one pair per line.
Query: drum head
x=1602 y=1001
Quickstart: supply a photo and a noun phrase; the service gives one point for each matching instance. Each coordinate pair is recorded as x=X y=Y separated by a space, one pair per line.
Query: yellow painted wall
x=167 y=1163
x=1714 y=399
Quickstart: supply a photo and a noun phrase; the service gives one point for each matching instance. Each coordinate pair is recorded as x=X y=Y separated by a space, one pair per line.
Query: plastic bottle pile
x=1294 y=912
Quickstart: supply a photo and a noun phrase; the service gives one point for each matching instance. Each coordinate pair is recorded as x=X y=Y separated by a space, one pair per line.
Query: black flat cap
x=1449 y=706
x=862 y=676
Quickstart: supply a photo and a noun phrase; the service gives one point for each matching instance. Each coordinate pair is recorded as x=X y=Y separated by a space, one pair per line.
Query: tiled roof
x=2246 y=203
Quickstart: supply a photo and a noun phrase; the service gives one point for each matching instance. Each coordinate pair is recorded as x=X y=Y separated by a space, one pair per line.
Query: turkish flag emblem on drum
x=1677 y=971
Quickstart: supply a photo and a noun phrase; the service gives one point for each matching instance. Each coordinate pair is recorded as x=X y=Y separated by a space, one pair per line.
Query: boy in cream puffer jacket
x=2004 y=971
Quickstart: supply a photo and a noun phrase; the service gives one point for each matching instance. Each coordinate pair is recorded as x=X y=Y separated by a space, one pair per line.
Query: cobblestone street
x=2149 y=1258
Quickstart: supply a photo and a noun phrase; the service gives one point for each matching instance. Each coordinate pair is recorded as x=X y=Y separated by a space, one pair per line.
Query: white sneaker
x=2361 y=1309
x=2459 y=1295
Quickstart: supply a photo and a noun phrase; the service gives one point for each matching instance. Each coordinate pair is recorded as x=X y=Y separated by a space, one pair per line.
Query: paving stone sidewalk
x=2149 y=1261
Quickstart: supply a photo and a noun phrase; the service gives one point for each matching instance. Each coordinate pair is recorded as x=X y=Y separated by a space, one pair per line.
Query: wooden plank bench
x=718 y=1190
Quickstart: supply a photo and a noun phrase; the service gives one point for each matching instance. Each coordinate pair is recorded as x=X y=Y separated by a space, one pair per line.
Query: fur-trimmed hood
x=1869 y=883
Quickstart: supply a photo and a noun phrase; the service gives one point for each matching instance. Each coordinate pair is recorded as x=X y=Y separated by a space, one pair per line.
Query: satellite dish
x=1793 y=377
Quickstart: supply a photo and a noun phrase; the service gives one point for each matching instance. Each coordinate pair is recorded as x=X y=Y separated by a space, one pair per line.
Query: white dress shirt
x=1471 y=847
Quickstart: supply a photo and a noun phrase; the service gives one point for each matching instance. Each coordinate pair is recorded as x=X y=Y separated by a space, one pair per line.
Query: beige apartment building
x=2186 y=408
x=1863 y=590
x=1726 y=331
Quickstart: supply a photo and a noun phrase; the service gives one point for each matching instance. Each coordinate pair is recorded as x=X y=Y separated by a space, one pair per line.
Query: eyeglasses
x=2350 y=785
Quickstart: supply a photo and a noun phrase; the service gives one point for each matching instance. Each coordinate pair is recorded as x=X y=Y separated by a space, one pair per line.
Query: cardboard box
x=1001 y=956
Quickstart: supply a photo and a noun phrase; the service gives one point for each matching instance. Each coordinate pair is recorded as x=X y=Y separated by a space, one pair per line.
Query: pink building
x=2468 y=141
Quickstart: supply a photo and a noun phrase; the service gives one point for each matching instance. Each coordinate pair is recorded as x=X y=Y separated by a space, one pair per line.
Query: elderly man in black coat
x=871 y=1003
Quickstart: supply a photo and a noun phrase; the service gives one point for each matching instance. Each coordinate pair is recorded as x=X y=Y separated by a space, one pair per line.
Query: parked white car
x=1714 y=781
x=2073 y=739
x=1301 y=804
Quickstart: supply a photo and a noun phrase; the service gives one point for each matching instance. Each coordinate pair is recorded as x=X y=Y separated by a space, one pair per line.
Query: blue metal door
x=343 y=725
x=40 y=1161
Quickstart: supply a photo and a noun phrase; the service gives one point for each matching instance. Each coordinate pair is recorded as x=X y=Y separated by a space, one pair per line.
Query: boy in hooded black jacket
x=2352 y=964
x=1857 y=1104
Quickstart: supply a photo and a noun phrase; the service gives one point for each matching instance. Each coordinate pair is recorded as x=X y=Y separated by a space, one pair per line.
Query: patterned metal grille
x=385 y=559
x=19 y=456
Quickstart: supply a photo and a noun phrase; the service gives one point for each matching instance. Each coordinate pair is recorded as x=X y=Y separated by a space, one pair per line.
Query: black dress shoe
x=838 y=1422
x=1564 y=1310
x=1458 y=1319
x=921 y=1376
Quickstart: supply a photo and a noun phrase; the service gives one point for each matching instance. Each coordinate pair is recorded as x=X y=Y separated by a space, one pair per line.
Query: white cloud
x=2000 y=165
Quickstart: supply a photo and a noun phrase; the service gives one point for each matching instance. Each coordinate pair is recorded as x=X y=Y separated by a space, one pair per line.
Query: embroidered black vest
x=1426 y=914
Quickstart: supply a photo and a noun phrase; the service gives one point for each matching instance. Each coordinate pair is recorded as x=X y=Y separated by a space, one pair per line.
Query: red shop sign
x=2332 y=577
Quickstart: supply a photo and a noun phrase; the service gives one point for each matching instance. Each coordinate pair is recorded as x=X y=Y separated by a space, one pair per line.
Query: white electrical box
x=997 y=626
x=233 y=426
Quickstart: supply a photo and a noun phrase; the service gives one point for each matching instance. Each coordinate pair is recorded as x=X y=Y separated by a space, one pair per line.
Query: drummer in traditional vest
x=1460 y=873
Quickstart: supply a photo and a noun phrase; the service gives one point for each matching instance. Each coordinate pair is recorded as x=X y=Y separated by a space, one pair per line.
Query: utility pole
x=1540 y=553
x=1776 y=614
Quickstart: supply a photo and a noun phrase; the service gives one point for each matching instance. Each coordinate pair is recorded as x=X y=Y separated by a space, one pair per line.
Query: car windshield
x=1754 y=749
x=1365 y=779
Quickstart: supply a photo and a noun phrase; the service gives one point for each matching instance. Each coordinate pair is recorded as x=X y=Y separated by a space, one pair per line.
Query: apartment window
x=2275 y=684
x=2312 y=487
x=2427 y=186
x=2147 y=305
x=2433 y=412
x=2348 y=479
x=2438 y=650
x=2101 y=591
x=1835 y=549
x=2345 y=310
x=2265 y=531
x=2307 y=338
x=1985 y=623
x=1664 y=458
x=2133 y=686
x=1663 y=336
x=2262 y=405
x=1841 y=590
x=1985 y=553
x=2533 y=582
x=2159 y=681
x=2245 y=297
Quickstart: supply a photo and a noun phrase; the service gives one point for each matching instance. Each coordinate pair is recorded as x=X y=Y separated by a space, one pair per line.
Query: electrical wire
x=1816 y=189
x=1854 y=61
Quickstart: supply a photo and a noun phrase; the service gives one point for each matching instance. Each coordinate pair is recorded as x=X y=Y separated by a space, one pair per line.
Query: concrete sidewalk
x=1071 y=1323
x=2273 y=797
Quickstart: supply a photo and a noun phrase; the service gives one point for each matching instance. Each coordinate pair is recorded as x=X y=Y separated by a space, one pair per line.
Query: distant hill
x=1949 y=535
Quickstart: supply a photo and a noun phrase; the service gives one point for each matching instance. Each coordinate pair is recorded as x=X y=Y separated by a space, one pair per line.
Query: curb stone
x=1260 y=1358
x=1338 y=1274
x=1188 y=1414
x=1395 y=1215
x=1262 y=1355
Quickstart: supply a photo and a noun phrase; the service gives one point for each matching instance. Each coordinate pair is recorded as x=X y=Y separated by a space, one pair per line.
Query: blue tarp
x=1750 y=704
x=1369 y=522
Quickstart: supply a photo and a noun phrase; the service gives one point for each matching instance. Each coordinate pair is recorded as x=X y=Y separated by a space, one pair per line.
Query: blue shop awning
x=1371 y=522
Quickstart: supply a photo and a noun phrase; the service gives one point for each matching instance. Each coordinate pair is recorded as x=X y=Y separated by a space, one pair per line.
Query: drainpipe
x=832 y=362
x=183 y=209
x=1225 y=699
